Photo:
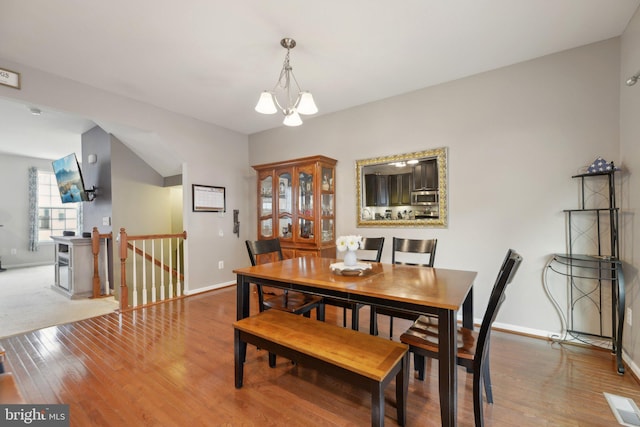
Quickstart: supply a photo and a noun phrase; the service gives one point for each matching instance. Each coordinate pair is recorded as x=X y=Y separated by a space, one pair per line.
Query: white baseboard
x=26 y=265
x=209 y=288
x=526 y=331
x=557 y=335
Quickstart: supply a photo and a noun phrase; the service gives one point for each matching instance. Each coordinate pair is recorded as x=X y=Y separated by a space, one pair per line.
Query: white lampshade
x=306 y=105
x=292 y=119
x=265 y=104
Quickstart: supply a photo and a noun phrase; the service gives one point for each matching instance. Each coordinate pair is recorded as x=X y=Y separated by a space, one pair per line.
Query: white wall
x=630 y=156
x=515 y=136
x=14 y=212
x=210 y=155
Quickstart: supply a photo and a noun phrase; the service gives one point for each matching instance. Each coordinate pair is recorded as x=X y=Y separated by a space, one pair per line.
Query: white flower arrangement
x=351 y=243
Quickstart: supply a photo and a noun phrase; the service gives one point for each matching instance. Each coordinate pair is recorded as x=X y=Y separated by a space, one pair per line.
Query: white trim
x=556 y=336
x=28 y=264
x=210 y=288
x=630 y=364
x=528 y=331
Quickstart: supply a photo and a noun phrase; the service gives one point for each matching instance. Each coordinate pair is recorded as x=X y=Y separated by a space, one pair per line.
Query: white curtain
x=33 y=209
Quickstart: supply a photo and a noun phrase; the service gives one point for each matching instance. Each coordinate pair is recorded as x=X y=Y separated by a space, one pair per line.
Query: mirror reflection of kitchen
x=403 y=189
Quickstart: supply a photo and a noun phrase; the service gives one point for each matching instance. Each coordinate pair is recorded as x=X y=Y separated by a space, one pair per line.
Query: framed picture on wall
x=208 y=198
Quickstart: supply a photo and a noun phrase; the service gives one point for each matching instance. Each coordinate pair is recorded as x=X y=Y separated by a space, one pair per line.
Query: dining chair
x=408 y=252
x=370 y=251
x=473 y=348
x=293 y=302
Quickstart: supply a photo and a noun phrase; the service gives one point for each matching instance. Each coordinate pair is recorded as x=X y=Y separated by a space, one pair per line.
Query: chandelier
x=296 y=101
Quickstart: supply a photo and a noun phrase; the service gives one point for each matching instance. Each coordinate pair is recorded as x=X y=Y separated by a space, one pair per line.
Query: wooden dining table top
x=422 y=286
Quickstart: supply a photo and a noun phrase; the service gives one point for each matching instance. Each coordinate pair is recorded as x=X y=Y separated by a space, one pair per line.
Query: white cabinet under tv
x=74 y=266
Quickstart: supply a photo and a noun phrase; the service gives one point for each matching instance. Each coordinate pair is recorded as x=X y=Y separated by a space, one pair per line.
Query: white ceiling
x=210 y=59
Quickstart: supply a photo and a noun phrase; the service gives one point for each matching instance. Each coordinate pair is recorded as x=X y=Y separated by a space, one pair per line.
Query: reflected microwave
x=425 y=198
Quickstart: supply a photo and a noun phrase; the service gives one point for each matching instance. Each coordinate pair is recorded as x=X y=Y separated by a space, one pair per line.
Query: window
x=54 y=217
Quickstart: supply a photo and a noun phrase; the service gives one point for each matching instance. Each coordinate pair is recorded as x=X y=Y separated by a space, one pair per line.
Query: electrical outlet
x=629 y=316
x=14 y=251
x=221 y=233
x=220 y=265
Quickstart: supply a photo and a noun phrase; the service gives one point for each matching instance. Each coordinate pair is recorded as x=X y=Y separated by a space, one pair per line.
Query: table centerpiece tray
x=359 y=269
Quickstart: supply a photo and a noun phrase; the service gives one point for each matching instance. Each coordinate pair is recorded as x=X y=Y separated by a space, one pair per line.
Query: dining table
x=419 y=290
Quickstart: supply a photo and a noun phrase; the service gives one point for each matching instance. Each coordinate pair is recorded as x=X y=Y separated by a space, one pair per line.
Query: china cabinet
x=296 y=203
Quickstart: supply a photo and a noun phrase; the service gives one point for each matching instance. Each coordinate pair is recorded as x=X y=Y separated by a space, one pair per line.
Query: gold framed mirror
x=403 y=190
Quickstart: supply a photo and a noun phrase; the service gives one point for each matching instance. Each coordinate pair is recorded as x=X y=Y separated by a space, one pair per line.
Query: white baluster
x=144 y=272
x=107 y=286
x=162 y=285
x=170 y=271
x=178 y=284
x=135 y=277
x=153 y=272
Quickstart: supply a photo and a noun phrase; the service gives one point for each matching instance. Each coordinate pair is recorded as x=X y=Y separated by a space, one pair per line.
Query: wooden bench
x=3 y=355
x=365 y=360
x=9 y=393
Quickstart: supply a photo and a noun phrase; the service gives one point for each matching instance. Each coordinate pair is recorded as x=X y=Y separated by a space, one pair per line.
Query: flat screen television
x=69 y=178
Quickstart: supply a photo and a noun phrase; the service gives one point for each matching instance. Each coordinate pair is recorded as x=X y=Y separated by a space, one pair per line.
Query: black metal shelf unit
x=589 y=273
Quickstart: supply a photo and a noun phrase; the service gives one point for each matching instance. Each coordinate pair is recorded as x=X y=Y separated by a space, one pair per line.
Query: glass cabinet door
x=265 y=207
x=306 y=229
x=285 y=204
x=327 y=225
x=266 y=196
x=284 y=193
x=266 y=227
x=327 y=217
x=305 y=191
x=327 y=230
x=327 y=179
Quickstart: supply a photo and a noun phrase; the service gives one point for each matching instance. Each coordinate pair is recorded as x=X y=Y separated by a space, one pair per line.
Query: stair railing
x=155 y=267
x=165 y=288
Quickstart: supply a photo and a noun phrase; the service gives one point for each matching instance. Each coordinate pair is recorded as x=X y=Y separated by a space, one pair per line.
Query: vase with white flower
x=349 y=245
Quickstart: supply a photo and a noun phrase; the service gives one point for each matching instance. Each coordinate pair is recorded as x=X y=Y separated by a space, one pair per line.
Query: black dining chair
x=293 y=302
x=371 y=251
x=473 y=348
x=407 y=252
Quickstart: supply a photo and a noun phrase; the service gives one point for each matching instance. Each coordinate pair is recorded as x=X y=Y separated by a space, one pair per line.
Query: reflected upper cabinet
x=296 y=203
x=403 y=190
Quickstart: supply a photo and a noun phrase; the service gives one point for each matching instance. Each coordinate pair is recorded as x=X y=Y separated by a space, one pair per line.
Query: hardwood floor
x=172 y=365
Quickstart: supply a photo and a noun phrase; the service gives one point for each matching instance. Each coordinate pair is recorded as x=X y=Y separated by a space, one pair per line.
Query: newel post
x=95 y=249
x=124 y=290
